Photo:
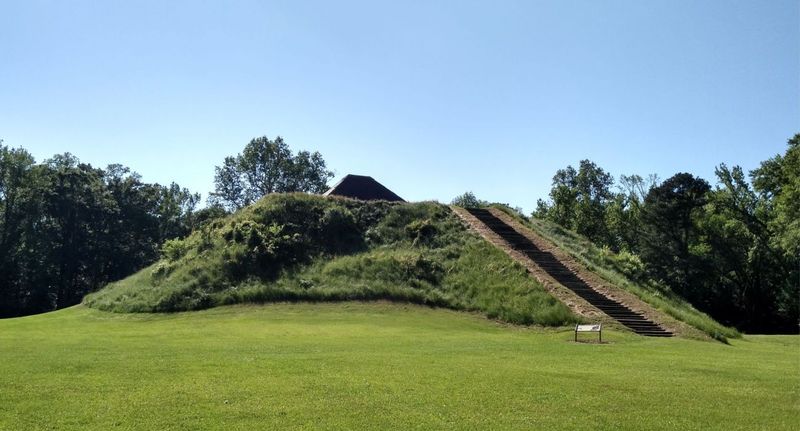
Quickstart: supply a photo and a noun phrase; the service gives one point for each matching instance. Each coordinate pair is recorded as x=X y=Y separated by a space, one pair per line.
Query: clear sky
x=432 y=98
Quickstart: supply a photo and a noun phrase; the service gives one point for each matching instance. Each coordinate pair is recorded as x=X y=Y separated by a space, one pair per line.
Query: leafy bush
x=340 y=230
x=174 y=249
x=468 y=200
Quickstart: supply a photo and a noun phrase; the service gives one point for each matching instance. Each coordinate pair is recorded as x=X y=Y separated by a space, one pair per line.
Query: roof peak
x=362 y=187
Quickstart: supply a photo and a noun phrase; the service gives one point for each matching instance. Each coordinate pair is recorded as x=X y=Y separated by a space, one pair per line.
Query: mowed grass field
x=377 y=366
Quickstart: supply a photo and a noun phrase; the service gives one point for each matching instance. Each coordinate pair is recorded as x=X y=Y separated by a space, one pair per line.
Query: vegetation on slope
x=626 y=271
x=377 y=366
x=298 y=247
x=68 y=228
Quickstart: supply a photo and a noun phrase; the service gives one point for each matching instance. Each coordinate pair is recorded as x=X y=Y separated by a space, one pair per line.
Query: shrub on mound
x=298 y=247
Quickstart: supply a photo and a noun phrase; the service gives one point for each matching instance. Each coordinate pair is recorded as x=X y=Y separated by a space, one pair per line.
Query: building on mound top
x=364 y=188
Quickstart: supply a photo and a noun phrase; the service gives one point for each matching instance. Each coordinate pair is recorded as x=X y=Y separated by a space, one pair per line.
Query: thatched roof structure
x=364 y=188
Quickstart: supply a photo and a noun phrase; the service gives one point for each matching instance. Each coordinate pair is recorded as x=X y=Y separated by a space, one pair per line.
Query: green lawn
x=377 y=366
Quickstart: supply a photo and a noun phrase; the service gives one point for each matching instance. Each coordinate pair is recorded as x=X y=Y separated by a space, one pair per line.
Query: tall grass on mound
x=308 y=248
x=626 y=271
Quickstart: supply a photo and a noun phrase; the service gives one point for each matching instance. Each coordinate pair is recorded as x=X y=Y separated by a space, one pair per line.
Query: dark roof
x=362 y=187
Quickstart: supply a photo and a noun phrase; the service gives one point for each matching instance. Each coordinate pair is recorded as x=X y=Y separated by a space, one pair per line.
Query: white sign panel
x=587 y=328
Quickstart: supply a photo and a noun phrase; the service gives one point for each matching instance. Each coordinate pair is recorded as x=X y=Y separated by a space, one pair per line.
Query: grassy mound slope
x=377 y=366
x=299 y=247
x=627 y=272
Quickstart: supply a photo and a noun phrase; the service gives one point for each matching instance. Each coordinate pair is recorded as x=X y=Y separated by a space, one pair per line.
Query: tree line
x=68 y=228
x=732 y=250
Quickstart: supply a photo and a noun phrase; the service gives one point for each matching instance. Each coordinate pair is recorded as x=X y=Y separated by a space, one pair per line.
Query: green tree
x=76 y=211
x=624 y=212
x=579 y=200
x=176 y=206
x=67 y=228
x=740 y=282
x=671 y=245
x=134 y=226
x=733 y=251
x=267 y=166
x=468 y=200
x=207 y=215
x=16 y=166
x=143 y=217
x=777 y=182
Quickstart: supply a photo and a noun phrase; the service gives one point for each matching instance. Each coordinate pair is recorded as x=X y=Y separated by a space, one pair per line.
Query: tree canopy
x=267 y=166
x=579 y=200
x=732 y=250
x=67 y=228
x=468 y=200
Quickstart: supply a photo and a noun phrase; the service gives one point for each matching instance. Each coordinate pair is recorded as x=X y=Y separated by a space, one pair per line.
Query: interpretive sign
x=590 y=328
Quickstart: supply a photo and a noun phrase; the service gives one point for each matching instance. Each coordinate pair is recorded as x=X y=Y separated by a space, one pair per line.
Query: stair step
x=625 y=317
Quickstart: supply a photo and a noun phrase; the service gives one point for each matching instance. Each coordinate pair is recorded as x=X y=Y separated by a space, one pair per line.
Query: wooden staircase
x=553 y=267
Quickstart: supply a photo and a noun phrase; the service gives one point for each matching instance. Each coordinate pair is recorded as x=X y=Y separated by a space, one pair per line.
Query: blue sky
x=432 y=98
